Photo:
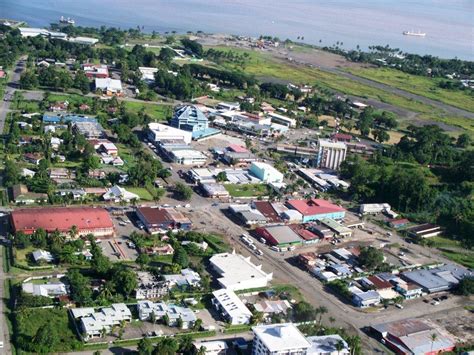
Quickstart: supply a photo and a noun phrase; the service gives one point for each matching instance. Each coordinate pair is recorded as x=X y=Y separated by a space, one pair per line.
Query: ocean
x=448 y=23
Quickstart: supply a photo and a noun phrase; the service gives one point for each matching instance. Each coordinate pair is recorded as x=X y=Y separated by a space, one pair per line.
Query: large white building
x=238 y=272
x=279 y=339
x=160 y=309
x=330 y=154
x=231 y=308
x=93 y=323
x=158 y=132
x=266 y=172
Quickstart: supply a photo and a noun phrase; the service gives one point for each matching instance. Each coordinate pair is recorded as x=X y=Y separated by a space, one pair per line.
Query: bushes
x=340 y=287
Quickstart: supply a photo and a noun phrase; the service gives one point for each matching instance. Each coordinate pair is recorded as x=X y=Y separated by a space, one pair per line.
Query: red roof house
x=88 y=220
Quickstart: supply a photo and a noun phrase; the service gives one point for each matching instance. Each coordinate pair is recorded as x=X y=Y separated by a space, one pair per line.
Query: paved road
x=12 y=85
x=4 y=331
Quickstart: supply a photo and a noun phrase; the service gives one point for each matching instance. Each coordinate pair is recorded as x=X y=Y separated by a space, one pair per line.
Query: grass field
x=249 y=190
x=463 y=257
x=29 y=321
x=419 y=85
x=140 y=191
x=157 y=112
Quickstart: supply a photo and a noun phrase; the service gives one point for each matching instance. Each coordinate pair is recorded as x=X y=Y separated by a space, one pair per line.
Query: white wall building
x=231 y=308
x=276 y=339
x=283 y=120
x=330 y=154
x=327 y=345
x=266 y=172
x=238 y=272
x=158 y=132
x=160 y=309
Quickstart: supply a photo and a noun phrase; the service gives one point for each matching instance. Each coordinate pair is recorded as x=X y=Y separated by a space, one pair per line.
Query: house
x=49 y=289
x=42 y=255
x=238 y=272
x=172 y=311
x=33 y=158
x=109 y=87
x=214 y=190
x=90 y=130
x=341 y=137
x=165 y=249
x=27 y=173
x=327 y=345
x=88 y=220
x=61 y=174
x=187 y=278
x=216 y=347
x=230 y=307
x=270 y=307
x=426 y=230
x=317 y=209
x=398 y=222
x=55 y=143
x=409 y=290
x=190 y=118
x=108 y=148
x=383 y=287
x=150 y=287
x=93 y=324
x=59 y=106
x=20 y=195
x=266 y=172
x=366 y=299
x=84 y=107
x=282 y=338
x=117 y=194
x=374 y=208
x=162 y=219
x=414 y=336
x=283 y=120
x=97 y=174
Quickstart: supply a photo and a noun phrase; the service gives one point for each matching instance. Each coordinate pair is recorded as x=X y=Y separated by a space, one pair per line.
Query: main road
x=12 y=85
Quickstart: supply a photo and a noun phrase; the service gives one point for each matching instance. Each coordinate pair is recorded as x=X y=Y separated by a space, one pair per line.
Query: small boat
x=68 y=21
x=413 y=33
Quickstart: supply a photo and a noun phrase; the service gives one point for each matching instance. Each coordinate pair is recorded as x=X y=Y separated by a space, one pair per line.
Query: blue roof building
x=66 y=118
x=190 y=118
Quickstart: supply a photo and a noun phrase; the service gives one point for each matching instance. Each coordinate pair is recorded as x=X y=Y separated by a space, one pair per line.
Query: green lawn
x=29 y=321
x=140 y=191
x=419 y=85
x=248 y=190
x=156 y=111
x=463 y=257
x=440 y=242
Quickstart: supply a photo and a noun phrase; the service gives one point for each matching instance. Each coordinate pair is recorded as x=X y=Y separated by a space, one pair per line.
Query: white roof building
x=216 y=347
x=279 y=339
x=51 y=290
x=327 y=345
x=188 y=157
x=117 y=194
x=266 y=172
x=39 y=255
x=109 y=85
x=160 y=309
x=93 y=323
x=27 y=172
x=231 y=308
x=158 y=132
x=83 y=40
x=188 y=277
x=238 y=272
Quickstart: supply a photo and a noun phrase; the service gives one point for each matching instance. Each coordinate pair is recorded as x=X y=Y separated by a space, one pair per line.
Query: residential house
x=215 y=347
x=118 y=194
x=172 y=311
x=150 y=287
x=33 y=158
x=20 y=195
x=42 y=255
x=48 y=289
x=187 y=278
x=109 y=87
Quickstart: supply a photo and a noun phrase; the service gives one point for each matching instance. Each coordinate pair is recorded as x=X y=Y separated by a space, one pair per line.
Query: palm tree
x=73 y=232
x=433 y=337
x=339 y=346
x=321 y=310
x=201 y=351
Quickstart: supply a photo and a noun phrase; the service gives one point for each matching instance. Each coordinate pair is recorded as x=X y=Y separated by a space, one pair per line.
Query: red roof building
x=88 y=220
x=266 y=208
x=237 y=148
x=317 y=209
x=342 y=137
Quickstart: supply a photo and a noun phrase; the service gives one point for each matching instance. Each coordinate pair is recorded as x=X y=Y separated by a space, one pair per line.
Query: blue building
x=190 y=118
x=66 y=118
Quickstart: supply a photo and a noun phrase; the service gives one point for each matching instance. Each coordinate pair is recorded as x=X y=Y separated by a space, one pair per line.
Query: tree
x=339 y=346
x=197 y=324
x=46 y=338
x=380 y=135
x=221 y=176
x=257 y=318
x=125 y=281
x=81 y=82
x=466 y=286
x=166 y=55
x=29 y=80
x=164 y=173
x=193 y=47
x=303 y=312
x=145 y=347
x=321 y=310
x=180 y=257
x=11 y=173
x=79 y=287
x=433 y=338
x=143 y=260
x=182 y=191
x=179 y=323
x=464 y=140
x=370 y=257
x=166 y=346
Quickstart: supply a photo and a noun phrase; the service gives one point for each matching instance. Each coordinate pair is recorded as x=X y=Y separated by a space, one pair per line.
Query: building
x=90 y=130
x=108 y=148
x=327 y=345
x=409 y=290
x=158 y=132
x=366 y=299
x=20 y=195
x=88 y=41
x=342 y=137
x=33 y=158
x=164 y=249
x=270 y=307
x=414 y=336
x=216 y=347
x=58 y=118
x=158 y=220
x=118 y=194
x=283 y=120
x=398 y=222
x=279 y=339
x=190 y=118
x=49 y=289
x=330 y=154
x=87 y=220
x=187 y=157
x=427 y=230
x=148 y=74
x=108 y=86
x=336 y=227
x=94 y=71
x=150 y=286
x=317 y=209
x=172 y=311
x=187 y=278
x=42 y=255
x=266 y=172
x=281 y=236
x=238 y=272
x=214 y=190
x=230 y=307
x=93 y=323
x=374 y=208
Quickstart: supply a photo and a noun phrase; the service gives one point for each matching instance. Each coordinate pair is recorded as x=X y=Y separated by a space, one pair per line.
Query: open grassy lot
x=157 y=112
x=463 y=257
x=419 y=85
x=29 y=321
x=140 y=191
x=249 y=190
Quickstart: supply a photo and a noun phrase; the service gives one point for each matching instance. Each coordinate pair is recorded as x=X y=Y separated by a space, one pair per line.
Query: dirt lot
x=459 y=323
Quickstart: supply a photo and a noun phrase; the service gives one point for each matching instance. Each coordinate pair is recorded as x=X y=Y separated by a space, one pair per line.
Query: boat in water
x=67 y=21
x=413 y=33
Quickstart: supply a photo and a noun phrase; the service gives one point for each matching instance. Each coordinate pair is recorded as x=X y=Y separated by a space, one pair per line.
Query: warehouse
x=87 y=220
x=317 y=209
x=162 y=219
x=281 y=236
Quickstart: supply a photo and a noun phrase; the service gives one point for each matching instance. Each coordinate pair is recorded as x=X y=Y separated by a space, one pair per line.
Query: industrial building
x=317 y=209
x=158 y=132
x=87 y=220
x=280 y=236
x=157 y=219
x=266 y=172
x=330 y=154
x=238 y=272
x=230 y=307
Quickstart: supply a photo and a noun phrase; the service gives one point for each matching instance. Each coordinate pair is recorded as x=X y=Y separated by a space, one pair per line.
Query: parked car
x=398 y=305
